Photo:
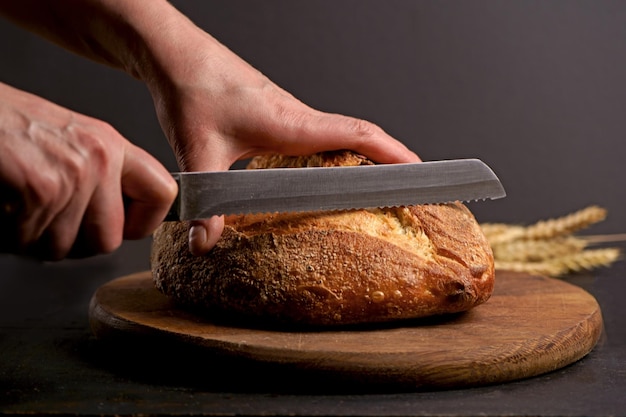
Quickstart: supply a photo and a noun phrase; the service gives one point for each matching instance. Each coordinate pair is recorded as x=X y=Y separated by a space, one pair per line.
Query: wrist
x=147 y=40
x=166 y=46
x=149 y=36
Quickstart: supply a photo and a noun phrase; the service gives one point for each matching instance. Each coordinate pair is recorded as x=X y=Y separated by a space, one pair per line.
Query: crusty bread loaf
x=331 y=268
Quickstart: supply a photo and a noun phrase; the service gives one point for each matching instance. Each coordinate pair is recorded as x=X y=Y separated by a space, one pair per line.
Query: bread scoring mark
x=395 y=225
x=478 y=271
x=318 y=290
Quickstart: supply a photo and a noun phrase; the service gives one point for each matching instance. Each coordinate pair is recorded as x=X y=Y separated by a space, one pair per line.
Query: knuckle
x=50 y=193
x=291 y=116
x=93 y=150
x=76 y=168
x=362 y=128
x=43 y=190
x=98 y=150
x=165 y=194
x=109 y=244
x=94 y=243
x=102 y=237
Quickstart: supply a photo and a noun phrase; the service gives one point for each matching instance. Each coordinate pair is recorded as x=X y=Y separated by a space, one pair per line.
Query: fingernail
x=197 y=236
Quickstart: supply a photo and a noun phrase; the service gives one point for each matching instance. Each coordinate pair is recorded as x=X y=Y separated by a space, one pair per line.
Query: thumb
x=204 y=234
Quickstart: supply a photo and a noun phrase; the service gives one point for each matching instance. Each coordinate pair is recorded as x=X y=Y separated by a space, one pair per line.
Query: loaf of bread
x=330 y=268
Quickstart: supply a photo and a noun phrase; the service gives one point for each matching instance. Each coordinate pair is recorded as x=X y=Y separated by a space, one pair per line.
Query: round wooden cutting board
x=531 y=325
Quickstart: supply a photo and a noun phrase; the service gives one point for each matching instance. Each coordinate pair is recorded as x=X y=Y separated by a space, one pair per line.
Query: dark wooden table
x=50 y=363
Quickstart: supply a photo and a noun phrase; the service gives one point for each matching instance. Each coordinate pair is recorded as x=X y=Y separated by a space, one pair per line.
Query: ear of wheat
x=549 y=247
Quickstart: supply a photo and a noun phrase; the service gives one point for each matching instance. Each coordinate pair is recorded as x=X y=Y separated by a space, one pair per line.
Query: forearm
x=142 y=38
x=214 y=108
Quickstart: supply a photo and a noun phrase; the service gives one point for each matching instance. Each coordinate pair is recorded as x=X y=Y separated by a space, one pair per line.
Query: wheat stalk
x=498 y=233
x=549 y=247
x=544 y=229
x=584 y=260
x=566 y=224
x=537 y=250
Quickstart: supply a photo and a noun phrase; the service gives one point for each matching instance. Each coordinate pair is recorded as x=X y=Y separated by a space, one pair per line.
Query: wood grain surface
x=530 y=326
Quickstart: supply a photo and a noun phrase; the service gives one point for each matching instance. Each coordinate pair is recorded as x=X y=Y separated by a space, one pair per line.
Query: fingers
x=47 y=220
x=62 y=178
x=98 y=218
x=102 y=219
x=288 y=126
x=54 y=221
x=81 y=228
x=315 y=132
x=325 y=131
x=150 y=191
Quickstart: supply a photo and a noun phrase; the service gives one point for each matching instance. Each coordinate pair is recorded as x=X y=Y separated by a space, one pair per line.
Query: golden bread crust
x=331 y=268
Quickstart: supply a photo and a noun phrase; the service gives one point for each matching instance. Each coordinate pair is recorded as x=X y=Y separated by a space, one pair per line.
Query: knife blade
x=206 y=194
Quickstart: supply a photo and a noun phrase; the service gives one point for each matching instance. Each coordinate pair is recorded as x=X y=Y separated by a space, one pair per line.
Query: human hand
x=216 y=109
x=62 y=178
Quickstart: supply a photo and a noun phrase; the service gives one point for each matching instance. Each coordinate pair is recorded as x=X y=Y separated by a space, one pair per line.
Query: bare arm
x=112 y=32
x=214 y=107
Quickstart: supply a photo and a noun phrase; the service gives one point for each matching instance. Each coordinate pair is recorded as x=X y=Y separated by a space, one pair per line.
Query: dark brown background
x=534 y=88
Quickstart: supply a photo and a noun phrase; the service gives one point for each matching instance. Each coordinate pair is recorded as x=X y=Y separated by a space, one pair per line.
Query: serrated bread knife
x=205 y=194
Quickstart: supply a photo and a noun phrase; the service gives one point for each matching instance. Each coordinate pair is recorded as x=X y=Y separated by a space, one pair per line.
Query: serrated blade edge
x=206 y=194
